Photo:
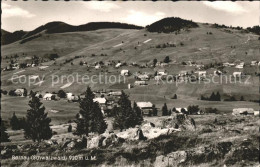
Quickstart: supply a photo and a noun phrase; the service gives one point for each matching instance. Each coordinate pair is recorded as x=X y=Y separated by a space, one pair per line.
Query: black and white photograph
x=130 y=83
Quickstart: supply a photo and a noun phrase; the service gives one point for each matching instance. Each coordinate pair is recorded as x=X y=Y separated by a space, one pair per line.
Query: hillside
x=170 y=24
x=61 y=27
x=7 y=37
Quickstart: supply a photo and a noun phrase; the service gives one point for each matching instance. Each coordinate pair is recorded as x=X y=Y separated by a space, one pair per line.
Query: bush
x=193 y=109
x=210 y=110
x=61 y=94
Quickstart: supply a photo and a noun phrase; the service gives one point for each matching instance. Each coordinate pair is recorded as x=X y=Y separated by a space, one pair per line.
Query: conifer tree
x=217 y=97
x=15 y=123
x=164 y=110
x=138 y=113
x=90 y=117
x=4 y=135
x=155 y=112
x=125 y=117
x=37 y=124
x=212 y=97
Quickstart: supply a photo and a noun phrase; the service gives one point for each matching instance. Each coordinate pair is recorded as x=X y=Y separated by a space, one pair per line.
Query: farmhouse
x=71 y=97
x=217 y=72
x=238 y=111
x=179 y=110
x=161 y=72
x=256 y=113
x=19 y=92
x=183 y=73
x=125 y=72
x=253 y=63
x=158 y=77
x=143 y=77
x=164 y=64
x=146 y=107
x=49 y=96
x=98 y=66
x=237 y=74
x=100 y=100
x=240 y=66
x=117 y=93
x=139 y=83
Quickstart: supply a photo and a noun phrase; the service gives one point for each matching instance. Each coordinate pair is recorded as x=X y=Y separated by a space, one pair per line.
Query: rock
x=95 y=141
x=110 y=139
x=71 y=145
x=179 y=121
x=171 y=159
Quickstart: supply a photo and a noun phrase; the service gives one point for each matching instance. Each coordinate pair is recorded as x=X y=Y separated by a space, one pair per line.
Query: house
x=226 y=64
x=245 y=111
x=179 y=110
x=102 y=103
x=158 y=77
x=164 y=64
x=183 y=73
x=146 y=107
x=19 y=92
x=217 y=72
x=125 y=72
x=256 y=113
x=49 y=96
x=253 y=63
x=71 y=97
x=98 y=66
x=161 y=72
x=201 y=74
x=118 y=65
x=140 y=83
x=237 y=74
x=143 y=77
x=240 y=66
x=118 y=93
x=100 y=100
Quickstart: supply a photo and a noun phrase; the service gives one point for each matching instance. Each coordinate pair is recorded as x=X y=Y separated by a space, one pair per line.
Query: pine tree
x=154 y=62
x=70 y=128
x=217 y=97
x=37 y=125
x=212 y=97
x=175 y=96
x=242 y=98
x=138 y=113
x=14 y=122
x=90 y=117
x=164 y=110
x=155 y=112
x=99 y=124
x=4 y=135
x=125 y=116
x=170 y=112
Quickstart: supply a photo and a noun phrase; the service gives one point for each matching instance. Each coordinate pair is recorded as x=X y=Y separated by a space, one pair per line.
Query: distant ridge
x=61 y=27
x=8 y=37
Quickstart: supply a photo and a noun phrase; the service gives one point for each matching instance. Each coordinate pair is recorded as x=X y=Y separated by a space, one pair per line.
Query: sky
x=24 y=15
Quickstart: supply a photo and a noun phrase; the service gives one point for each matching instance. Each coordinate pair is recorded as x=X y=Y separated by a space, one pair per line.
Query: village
x=130 y=84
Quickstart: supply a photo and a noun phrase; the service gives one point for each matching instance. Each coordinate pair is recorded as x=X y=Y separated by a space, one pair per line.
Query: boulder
x=110 y=139
x=171 y=159
x=95 y=142
x=179 y=121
